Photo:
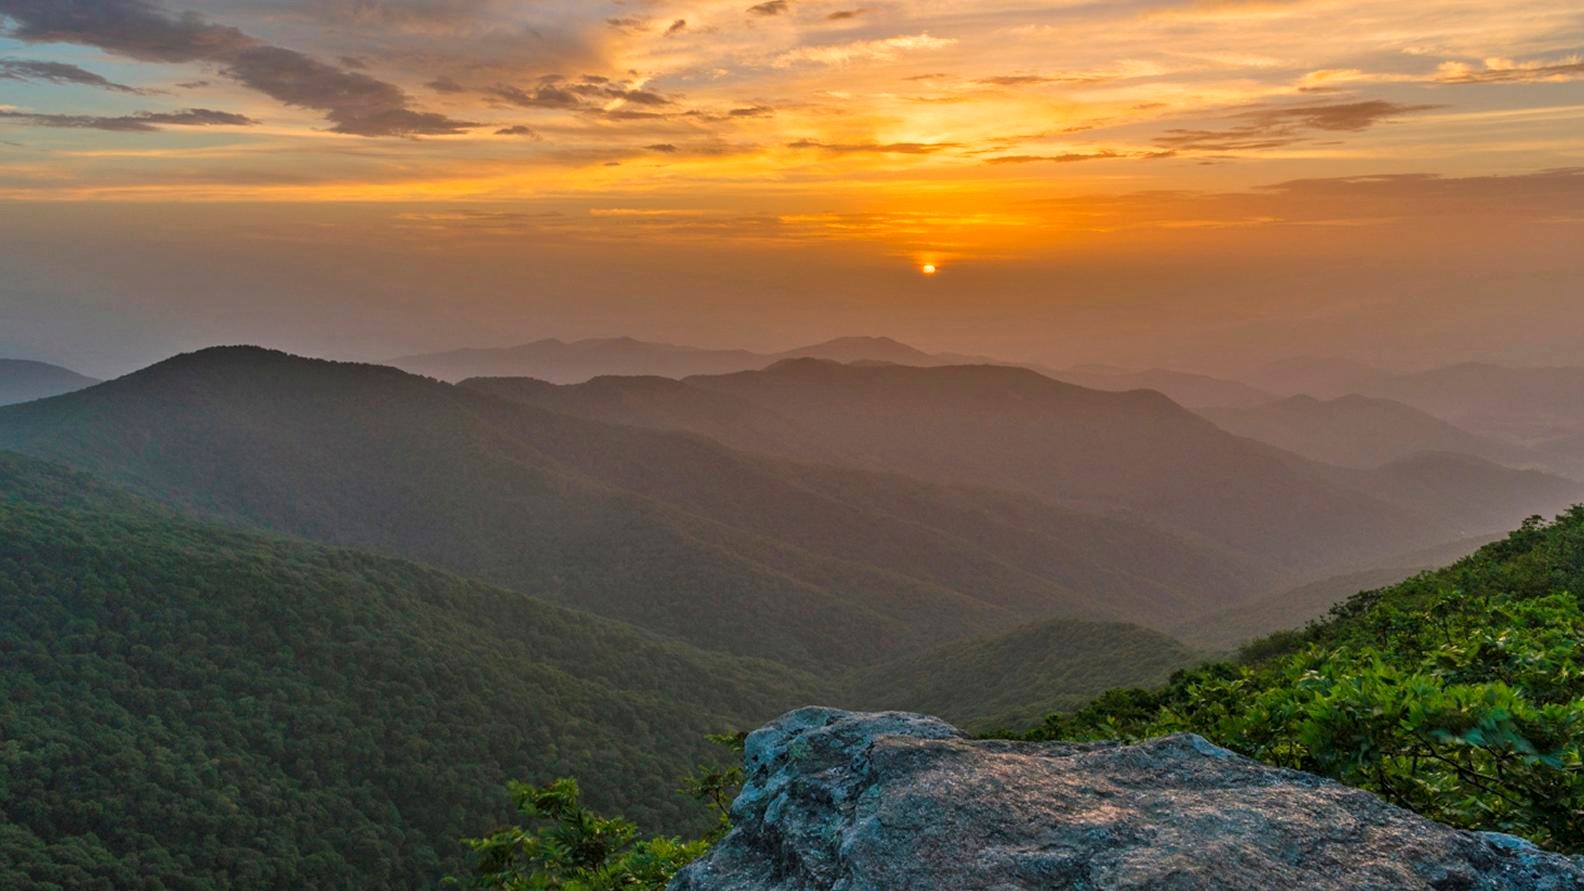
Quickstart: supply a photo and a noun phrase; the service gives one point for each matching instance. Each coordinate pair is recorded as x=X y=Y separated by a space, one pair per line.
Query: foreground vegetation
x=1458 y=693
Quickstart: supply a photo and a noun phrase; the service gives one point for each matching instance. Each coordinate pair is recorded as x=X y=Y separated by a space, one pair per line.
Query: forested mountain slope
x=193 y=707
x=1012 y=679
x=813 y=566
x=1016 y=430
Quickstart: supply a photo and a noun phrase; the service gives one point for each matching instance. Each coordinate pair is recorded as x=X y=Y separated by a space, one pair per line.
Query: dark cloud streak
x=353 y=102
x=1277 y=127
x=140 y=122
x=58 y=73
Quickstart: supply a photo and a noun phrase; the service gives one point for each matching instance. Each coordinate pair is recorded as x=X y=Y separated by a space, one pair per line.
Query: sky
x=1195 y=183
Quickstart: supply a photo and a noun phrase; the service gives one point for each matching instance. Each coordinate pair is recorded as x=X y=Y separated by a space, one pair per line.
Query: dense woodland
x=189 y=707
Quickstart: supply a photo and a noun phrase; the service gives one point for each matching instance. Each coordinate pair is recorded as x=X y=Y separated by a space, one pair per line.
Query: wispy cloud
x=140 y=122
x=1268 y=128
x=881 y=50
x=58 y=73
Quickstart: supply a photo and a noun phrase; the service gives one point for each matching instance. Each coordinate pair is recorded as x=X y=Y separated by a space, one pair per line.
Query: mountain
x=24 y=381
x=813 y=566
x=1232 y=627
x=1484 y=495
x=560 y=362
x=1356 y=431
x=863 y=349
x=1290 y=608
x=1320 y=377
x=1015 y=430
x=1528 y=405
x=1565 y=455
x=1015 y=678
x=195 y=707
x=1183 y=388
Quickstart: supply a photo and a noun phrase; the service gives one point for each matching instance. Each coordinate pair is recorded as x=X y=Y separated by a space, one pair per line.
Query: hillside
x=193 y=707
x=1356 y=431
x=1526 y=405
x=1012 y=679
x=1015 y=430
x=1235 y=626
x=810 y=566
x=1181 y=387
x=1484 y=495
x=1457 y=693
x=23 y=381
x=1319 y=377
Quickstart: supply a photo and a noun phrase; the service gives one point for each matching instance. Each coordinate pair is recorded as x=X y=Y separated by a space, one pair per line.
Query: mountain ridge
x=672 y=531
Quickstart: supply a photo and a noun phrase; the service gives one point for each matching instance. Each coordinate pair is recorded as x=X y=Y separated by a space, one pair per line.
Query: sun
x=929 y=269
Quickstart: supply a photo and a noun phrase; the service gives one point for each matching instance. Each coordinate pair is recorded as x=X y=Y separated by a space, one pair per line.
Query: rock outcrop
x=864 y=802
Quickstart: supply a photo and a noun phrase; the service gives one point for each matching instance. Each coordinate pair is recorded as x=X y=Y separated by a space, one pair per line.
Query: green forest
x=186 y=707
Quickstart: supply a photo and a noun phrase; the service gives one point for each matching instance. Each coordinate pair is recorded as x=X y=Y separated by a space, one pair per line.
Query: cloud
x=677 y=27
x=1018 y=80
x=1499 y=70
x=884 y=50
x=772 y=8
x=890 y=148
x=353 y=102
x=842 y=15
x=140 y=122
x=591 y=93
x=1541 y=198
x=58 y=73
x=1277 y=127
x=1073 y=157
x=519 y=130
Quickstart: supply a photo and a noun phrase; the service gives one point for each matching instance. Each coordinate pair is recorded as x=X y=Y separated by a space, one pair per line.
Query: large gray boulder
x=862 y=802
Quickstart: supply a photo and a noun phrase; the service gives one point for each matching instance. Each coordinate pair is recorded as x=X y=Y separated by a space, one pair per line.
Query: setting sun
x=929 y=269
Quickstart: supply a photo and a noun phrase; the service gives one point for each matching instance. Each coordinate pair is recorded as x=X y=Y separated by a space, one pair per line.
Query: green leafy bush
x=566 y=847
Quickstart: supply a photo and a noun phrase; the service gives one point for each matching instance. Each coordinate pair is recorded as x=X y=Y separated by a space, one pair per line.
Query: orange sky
x=1045 y=156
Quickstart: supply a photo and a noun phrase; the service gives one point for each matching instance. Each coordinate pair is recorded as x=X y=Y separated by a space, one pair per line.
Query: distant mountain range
x=674 y=532
x=1357 y=431
x=1529 y=417
x=1015 y=430
x=558 y=361
x=1532 y=406
x=23 y=381
x=1183 y=388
